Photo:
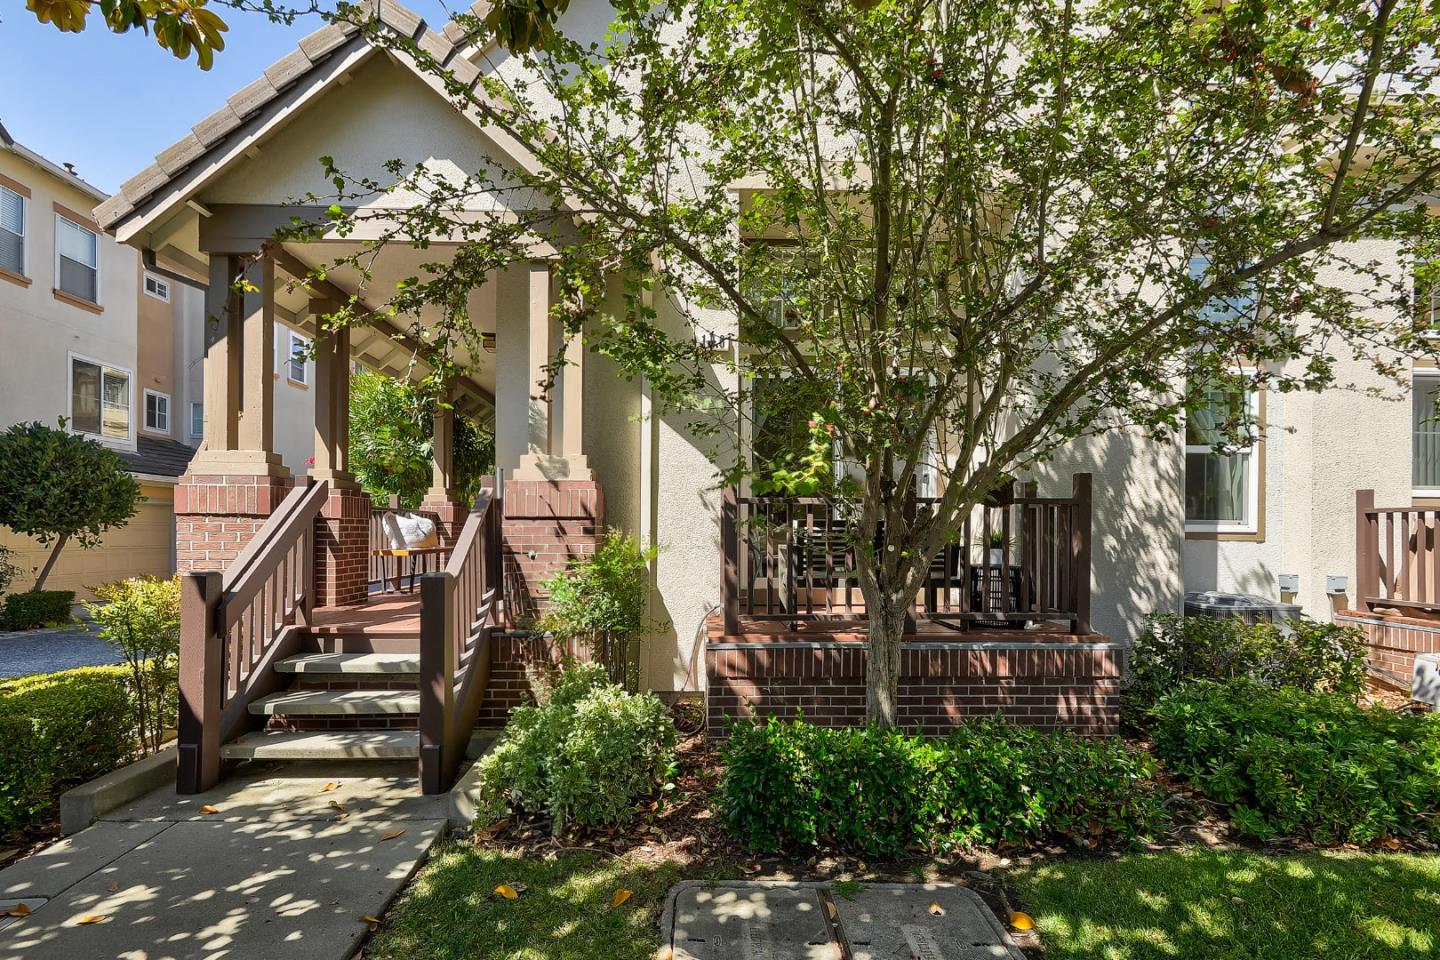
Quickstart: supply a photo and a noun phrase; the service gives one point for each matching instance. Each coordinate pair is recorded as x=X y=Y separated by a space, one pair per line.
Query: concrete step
x=325 y=745
x=351 y=664
x=309 y=703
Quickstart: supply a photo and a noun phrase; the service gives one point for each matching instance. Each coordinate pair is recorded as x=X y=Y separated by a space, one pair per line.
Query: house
x=281 y=631
x=113 y=344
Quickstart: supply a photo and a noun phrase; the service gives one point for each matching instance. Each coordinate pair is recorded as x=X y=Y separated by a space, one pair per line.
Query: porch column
x=443 y=498
x=342 y=531
x=236 y=479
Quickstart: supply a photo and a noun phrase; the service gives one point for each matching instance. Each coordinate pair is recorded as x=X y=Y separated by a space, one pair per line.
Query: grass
x=1223 y=905
x=1216 y=905
x=564 y=912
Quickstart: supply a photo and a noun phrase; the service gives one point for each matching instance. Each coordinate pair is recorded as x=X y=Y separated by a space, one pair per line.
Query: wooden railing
x=789 y=559
x=1397 y=555
x=383 y=568
x=235 y=626
x=459 y=606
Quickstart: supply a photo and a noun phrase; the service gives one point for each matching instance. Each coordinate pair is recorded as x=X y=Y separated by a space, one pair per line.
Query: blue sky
x=108 y=103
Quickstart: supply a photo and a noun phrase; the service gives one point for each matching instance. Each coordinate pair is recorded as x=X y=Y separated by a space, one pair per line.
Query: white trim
x=1251 y=523
x=70 y=358
x=145 y=411
x=160 y=282
x=94 y=233
x=292 y=336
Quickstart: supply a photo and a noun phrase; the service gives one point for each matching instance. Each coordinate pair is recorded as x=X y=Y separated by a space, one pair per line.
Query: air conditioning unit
x=1425 y=686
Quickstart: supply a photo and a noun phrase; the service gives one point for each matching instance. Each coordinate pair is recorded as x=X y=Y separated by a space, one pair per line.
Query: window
x=157 y=288
x=774 y=287
x=99 y=399
x=299 y=349
x=1224 y=310
x=197 y=420
x=157 y=411
x=12 y=231
x=1221 y=475
x=77 y=256
x=1425 y=409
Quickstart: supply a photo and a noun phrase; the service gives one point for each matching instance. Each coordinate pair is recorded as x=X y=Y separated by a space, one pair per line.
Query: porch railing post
x=907 y=512
x=437 y=668
x=1080 y=553
x=1029 y=549
x=201 y=682
x=1367 y=550
x=730 y=559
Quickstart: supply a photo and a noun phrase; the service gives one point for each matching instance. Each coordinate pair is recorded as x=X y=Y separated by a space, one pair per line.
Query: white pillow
x=417 y=531
x=393 y=535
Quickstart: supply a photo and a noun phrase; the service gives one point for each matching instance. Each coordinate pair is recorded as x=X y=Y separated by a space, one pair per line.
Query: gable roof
x=9 y=144
x=209 y=135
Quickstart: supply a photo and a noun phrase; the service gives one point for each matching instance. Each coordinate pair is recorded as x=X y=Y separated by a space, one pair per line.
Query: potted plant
x=994 y=546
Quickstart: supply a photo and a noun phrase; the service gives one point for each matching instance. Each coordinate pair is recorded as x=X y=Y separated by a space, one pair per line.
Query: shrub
x=600 y=601
x=1292 y=763
x=584 y=757
x=37 y=608
x=58 y=730
x=141 y=616
x=1174 y=650
x=882 y=793
x=8 y=569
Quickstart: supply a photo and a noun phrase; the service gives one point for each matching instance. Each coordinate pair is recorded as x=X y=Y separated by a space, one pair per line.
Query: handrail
x=459 y=606
x=234 y=627
x=789 y=559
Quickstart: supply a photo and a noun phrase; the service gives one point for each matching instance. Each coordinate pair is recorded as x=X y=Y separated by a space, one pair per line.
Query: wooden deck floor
x=383 y=614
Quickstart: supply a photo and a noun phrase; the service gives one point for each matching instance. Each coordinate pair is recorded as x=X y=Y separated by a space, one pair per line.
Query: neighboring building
x=115 y=349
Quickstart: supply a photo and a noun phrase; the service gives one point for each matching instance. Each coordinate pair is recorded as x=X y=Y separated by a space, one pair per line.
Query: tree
x=1003 y=226
x=59 y=486
x=179 y=26
x=390 y=451
x=140 y=617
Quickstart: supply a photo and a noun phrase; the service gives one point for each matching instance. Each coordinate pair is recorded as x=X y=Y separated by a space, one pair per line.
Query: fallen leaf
x=507 y=891
x=337 y=805
x=338 y=817
x=93 y=918
x=392 y=834
x=620 y=897
x=935 y=909
x=1021 y=921
x=373 y=921
x=1392 y=843
x=17 y=910
x=114 y=886
x=332 y=785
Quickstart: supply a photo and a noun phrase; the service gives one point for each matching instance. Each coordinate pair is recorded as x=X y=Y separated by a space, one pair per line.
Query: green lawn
x=1200 y=904
x=1225 y=906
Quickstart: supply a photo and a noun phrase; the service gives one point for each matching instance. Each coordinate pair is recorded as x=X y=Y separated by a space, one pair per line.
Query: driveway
x=58 y=648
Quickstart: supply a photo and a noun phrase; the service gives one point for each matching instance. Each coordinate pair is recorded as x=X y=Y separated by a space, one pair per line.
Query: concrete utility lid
x=759 y=920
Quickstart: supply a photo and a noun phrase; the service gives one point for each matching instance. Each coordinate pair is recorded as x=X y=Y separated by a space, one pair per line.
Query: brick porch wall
x=342 y=548
x=546 y=523
x=1394 y=641
x=512 y=655
x=1074 y=686
x=216 y=516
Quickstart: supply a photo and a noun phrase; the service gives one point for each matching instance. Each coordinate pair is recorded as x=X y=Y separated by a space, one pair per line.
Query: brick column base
x=546 y=523
x=217 y=515
x=342 y=548
x=450 y=516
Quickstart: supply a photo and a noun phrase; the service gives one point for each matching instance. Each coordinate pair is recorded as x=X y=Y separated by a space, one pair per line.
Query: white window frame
x=1416 y=376
x=148 y=393
x=98 y=276
x=24 y=229
x=197 y=405
x=160 y=283
x=1251 y=523
x=71 y=357
x=286 y=347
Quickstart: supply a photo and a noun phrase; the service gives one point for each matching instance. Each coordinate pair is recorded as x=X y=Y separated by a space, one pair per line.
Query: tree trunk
x=882 y=671
x=49 y=564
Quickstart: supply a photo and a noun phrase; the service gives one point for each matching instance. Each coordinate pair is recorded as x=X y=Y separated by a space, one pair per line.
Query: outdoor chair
x=408 y=537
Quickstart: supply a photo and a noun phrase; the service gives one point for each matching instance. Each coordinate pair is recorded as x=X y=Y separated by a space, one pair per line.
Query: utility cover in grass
x=759 y=920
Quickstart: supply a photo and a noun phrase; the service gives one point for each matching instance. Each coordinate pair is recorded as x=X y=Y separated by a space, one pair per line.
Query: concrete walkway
x=275 y=872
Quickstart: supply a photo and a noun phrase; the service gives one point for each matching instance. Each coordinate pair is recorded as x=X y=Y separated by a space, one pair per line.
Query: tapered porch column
x=236 y=479
x=342 y=531
x=443 y=498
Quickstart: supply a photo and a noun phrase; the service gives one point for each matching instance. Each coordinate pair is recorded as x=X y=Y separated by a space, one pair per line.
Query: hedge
x=885 y=793
x=36 y=608
x=58 y=730
x=1292 y=763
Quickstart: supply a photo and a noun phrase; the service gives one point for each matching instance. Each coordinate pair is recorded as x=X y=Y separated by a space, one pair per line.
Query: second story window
x=157 y=411
x=77 y=255
x=12 y=231
x=99 y=399
x=157 y=288
x=197 y=420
